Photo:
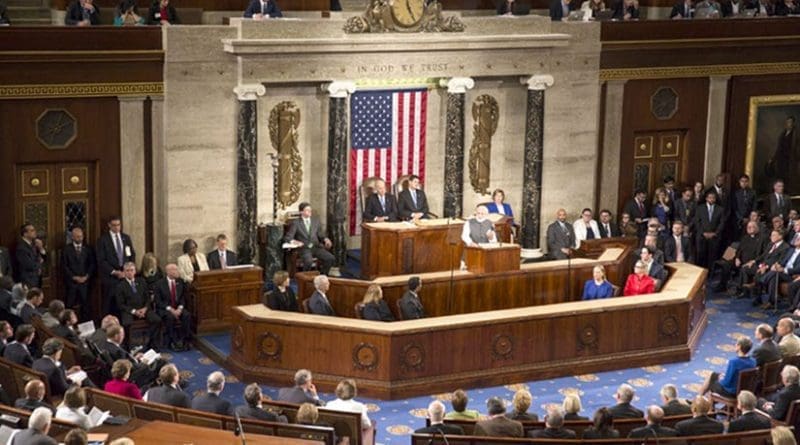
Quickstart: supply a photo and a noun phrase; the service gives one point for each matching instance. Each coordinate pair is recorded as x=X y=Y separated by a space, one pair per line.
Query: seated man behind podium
x=221 y=257
x=133 y=301
x=262 y=9
x=410 y=304
x=211 y=402
x=412 y=204
x=380 y=207
x=306 y=234
x=319 y=303
x=170 y=296
x=303 y=390
x=375 y=307
x=478 y=230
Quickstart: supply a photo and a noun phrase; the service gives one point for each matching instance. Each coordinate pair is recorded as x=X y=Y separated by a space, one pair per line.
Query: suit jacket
x=441 y=428
x=213 y=259
x=282 y=301
x=558 y=238
x=107 y=260
x=625 y=411
x=31 y=404
x=553 y=433
x=115 y=352
x=30 y=436
x=405 y=205
x=766 y=352
x=378 y=311
x=6 y=266
x=154 y=15
x=749 y=422
x=297 y=395
x=498 y=427
x=163 y=296
x=127 y=299
x=633 y=209
x=697 y=426
x=18 y=353
x=318 y=305
x=186 y=268
x=705 y=224
x=750 y=248
x=56 y=375
x=252 y=412
x=212 y=403
x=588 y=433
x=779 y=210
x=297 y=231
x=557 y=12
x=372 y=208
x=6 y=300
x=612 y=233
x=169 y=395
x=77 y=265
x=254 y=7
x=784 y=400
x=744 y=202
x=790 y=269
x=652 y=431
x=657 y=271
x=579 y=227
x=671 y=249
x=28 y=312
x=75 y=14
x=28 y=265
x=411 y=307
x=676 y=408
x=771 y=258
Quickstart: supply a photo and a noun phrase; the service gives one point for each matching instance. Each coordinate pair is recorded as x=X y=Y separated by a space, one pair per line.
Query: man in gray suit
x=319 y=303
x=306 y=234
x=303 y=390
x=560 y=236
x=38 y=427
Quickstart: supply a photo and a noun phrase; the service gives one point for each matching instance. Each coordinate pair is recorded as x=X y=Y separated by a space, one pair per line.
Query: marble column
x=246 y=171
x=454 y=145
x=612 y=145
x=533 y=155
x=715 y=126
x=132 y=181
x=337 y=193
x=160 y=197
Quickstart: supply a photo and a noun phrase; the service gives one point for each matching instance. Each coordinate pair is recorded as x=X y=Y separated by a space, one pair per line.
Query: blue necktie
x=414 y=197
x=118 y=246
x=133 y=286
x=383 y=203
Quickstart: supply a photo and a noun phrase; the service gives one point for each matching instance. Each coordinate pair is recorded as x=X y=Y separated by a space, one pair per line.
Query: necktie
x=710 y=212
x=608 y=231
x=78 y=249
x=172 y=294
x=780 y=201
x=308 y=225
x=774 y=246
x=796 y=239
x=678 y=249
x=118 y=246
x=383 y=203
x=263 y=7
x=133 y=286
x=641 y=207
x=414 y=197
x=222 y=260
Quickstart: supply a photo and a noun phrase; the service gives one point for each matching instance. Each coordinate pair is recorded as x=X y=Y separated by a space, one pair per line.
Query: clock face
x=408 y=12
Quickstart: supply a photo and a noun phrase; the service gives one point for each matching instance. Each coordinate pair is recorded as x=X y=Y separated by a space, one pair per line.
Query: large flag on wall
x=387 y=134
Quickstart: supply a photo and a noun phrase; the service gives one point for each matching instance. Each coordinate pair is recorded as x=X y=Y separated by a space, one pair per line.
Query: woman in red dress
x=639 y=282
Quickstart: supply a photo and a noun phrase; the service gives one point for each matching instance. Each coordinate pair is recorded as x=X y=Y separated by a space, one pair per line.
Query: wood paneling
x=216 y=292
x=95 y=38
x=212 y=5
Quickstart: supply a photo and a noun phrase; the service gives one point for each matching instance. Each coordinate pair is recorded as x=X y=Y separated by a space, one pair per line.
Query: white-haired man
x=478 y=229
x=211 y=401
x=623 y=409
x=436 y=414
x=303 y=390
x=38 y=427
x=319 y=303
x=779 y=403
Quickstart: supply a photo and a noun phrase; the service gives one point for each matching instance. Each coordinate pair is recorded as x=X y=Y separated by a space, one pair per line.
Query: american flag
x=388 y=140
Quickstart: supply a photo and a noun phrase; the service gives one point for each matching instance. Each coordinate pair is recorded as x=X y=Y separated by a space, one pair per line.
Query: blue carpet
x=728 y=319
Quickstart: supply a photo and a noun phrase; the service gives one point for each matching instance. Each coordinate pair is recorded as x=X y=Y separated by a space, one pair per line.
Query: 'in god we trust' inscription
x=403 y=68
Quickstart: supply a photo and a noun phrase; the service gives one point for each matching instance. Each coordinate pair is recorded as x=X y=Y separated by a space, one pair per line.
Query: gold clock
x=408 y=13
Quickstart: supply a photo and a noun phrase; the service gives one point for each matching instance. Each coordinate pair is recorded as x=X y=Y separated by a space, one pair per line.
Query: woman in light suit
x=191 y=261
x=585 y=228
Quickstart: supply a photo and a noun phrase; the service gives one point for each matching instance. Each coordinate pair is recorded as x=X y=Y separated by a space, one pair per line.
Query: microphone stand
x=239 y=431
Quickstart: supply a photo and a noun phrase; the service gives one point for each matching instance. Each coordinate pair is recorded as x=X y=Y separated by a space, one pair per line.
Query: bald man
x=560 y=236
x=478 y=229
x=170 y=293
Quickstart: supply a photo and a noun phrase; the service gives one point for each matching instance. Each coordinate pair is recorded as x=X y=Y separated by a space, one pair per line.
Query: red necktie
x=641 y=208
x=172 y=296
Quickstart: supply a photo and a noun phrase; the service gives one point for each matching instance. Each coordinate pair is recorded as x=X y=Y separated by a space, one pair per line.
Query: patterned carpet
x=728 y=319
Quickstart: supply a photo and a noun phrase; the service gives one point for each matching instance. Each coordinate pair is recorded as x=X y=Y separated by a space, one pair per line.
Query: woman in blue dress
x=598 y=287
x=498 y=205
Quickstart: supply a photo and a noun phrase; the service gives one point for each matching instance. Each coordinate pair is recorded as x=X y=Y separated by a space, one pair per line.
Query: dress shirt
x=679 y=255
x=351 y=406
x=501 y=209
x=223 y=261
x=790 y=264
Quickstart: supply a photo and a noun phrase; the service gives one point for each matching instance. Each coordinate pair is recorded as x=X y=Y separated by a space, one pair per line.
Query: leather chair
x=366 y=190
x=747 y=381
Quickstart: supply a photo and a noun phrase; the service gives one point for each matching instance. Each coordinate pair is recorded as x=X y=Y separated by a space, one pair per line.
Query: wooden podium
x=491 y=258
x=216 y=292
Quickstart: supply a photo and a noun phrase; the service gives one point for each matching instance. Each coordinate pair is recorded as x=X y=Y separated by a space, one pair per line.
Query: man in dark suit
x=553 y=427
x=498 y=425
x=169 y=392
x=637 y=209
x=685 y=209
x=50 y=365
x=18 y=351
x=709 y=226
x=623 y=409
x=751 y=246
x=787 y=270
x=221 y=257
x=34 y=396
x=305 y=233
x=252 y=409
x=607 y=227
x=749 y=420
x=6 y=335
x=412 y=203
x=38 y=427
x=211 y=402
x=114 y=249
x=319 y=303
x=767 y=350
x=654 y=269
x=778 y=403
x=779 y=202
x=560 y=9
x=700 y=423
x=82 y=13
x=410 y=305
x=6 y=267
x=655 y=415
x=30 y=255
x=436 y=414
x=380 y=206
x=678 y=247
x=133 y=301
x=303 y=390
x=673 y=406
x=560 y=237
x=772 y=254
x=142 y=374
x=170 y=296
x=744 y=202
x=33 y=299
x=262 y=9
x=79 y=267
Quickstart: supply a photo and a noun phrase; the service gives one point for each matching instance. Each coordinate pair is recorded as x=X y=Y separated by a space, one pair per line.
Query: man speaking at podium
x=478 y=229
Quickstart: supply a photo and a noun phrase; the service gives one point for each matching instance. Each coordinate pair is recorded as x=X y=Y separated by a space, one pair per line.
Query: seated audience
x=572 y=406
x=653 y=428
x=50 y=365
x=346 y=392
x=522 y=402
x=262 y=9
x=306 y=234
x=221 y=257
x=170 y=299
x=602 y=426
x=162 y=13
x=412 y=204
x=459 y=403
x=654 y=268
x=678 y=247
x=282 y=297
x=410 y=304
x=785 y=271
x=34 y=397
x=560 y=9
x=51 y=317
x=127 y=14
x=585 y=228
x=169 y=392
x=73 y=408
x=673 y=406
x=18 y=351
x=623 y=409
x=751 y=246
x=683 y=9
x=498 y=204
x=30 y=309
x=727 y=386
x=436 y=414
x=6 y=296
x=594 y=6
x=318 y=303
x=375 y=307
x=749 y=419
x=639 y=282
x=252 y=409
x=211 y=401
x=790 y=343
x=191 y=261
x=133 y=301
x=700 y=423
x=553 y=427
x=38 y=427
x=142 y=374
x=782 y=435
x=478 y=229
x=308 y=414
x=380 y=206
x=626 y=10
x=498 y=425
x=67 y=328
x=767 y=350
x=778 y=403
x=303 y=390
x=82 y=13
x=119 y=384
x=598 y=287
x=76 y=436
x=627 y=227
x=772 y=254
x=606 y=226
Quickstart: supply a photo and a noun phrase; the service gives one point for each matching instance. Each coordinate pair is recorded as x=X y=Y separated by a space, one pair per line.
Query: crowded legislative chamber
x=399 y=222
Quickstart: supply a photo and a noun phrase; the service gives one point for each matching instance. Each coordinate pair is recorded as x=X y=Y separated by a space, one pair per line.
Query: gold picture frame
x=754 y=151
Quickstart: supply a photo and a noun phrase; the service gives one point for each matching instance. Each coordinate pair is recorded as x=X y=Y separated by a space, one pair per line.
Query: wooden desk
x=179 y=434
x=492 y=258
x=215 y=292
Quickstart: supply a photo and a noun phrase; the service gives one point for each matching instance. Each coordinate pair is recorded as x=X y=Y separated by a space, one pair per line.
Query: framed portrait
x=773 y=143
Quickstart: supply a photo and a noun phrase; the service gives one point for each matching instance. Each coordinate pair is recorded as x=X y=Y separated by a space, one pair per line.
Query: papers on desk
x=149 y=357
x=7 y=434
x=98 y=417
x=77 y=377
x=490 y=245
x=239 y=266
x=86 y=329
